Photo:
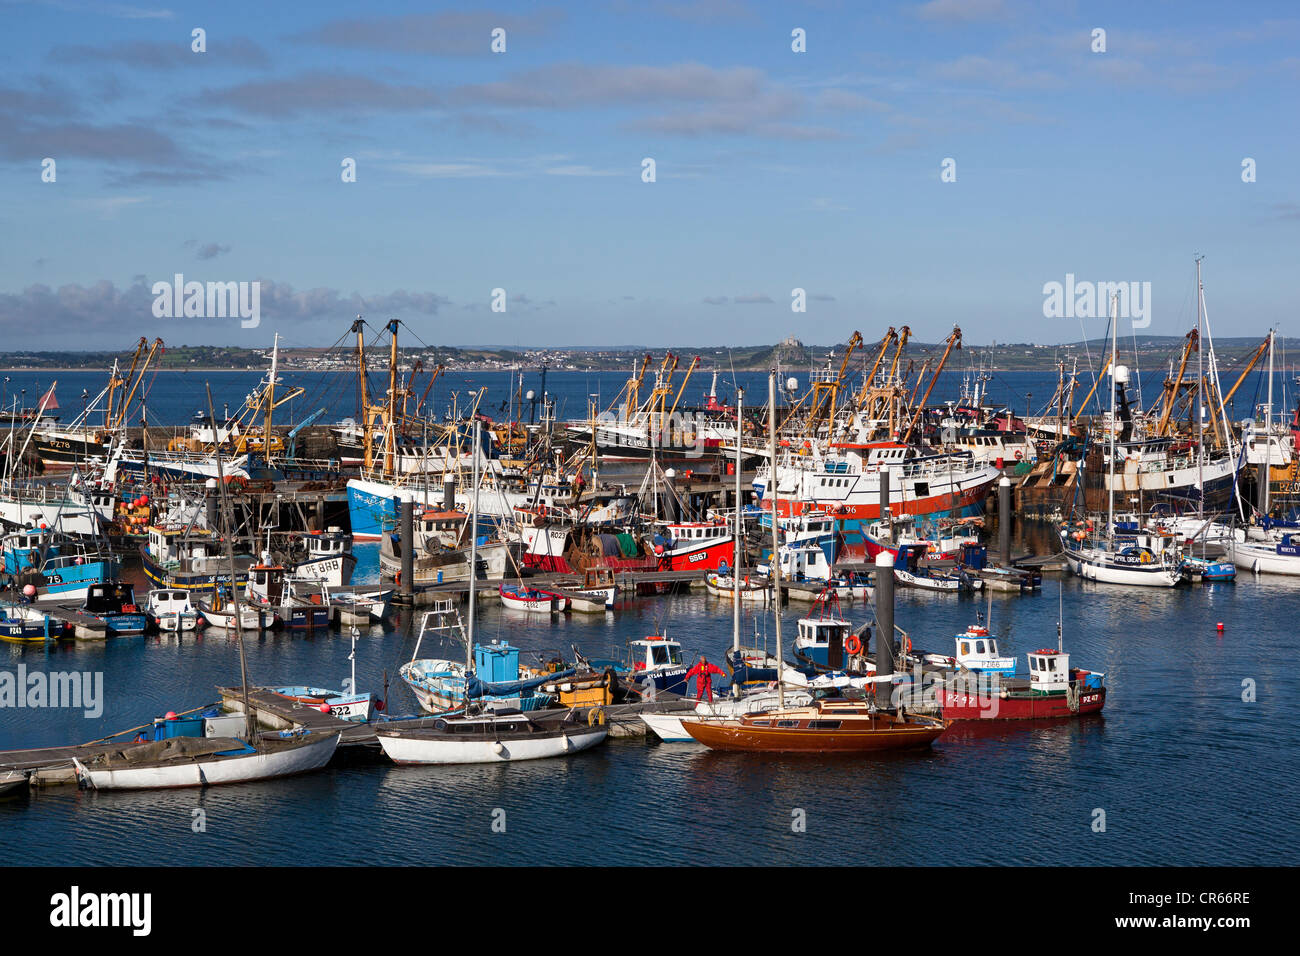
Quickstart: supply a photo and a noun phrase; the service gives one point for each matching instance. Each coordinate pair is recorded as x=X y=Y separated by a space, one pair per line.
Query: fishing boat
x=361 y=607
x=56 y=565
x=171 y=610
x=828 y=643
x=442 y=685
x=114 y=603
x=221 y=612
x=23 y=623
x=595 y=593
x=328 y=557
x=301 y=605
x=1053 y=690
x=520 y=597
x=910 y=572
x=1203 y=570
x=656 y=661
x=977 y=652
x=191 y=558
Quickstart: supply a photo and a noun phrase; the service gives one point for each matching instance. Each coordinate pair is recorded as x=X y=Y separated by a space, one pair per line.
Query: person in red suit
x=703 y=673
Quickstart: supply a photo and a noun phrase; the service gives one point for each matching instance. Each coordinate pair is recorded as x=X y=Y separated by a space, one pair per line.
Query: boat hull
x=722 y=735
x=212 y=772
x=964 y=706
x=404 y=749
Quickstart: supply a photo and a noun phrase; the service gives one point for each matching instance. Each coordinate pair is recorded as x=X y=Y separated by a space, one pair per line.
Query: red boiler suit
x=703 y=673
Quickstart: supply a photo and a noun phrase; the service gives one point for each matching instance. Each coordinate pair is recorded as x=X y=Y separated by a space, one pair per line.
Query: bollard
x=407 y=543
x=449 y=491
x=1004 y=521
x=885 y=627
x=886 y=525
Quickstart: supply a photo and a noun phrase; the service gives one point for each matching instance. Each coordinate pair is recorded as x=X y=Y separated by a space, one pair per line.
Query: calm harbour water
x=1186 y=772
x=172 y=397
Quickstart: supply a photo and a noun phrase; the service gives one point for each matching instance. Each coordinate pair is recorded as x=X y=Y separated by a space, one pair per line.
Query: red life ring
x=853 y=645
x=1019 y=454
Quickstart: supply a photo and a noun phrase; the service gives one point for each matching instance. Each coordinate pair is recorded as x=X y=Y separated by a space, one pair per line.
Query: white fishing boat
x=171 y=610
x=220 y=612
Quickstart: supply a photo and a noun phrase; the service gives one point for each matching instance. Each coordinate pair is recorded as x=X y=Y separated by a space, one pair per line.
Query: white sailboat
x=1139 y=559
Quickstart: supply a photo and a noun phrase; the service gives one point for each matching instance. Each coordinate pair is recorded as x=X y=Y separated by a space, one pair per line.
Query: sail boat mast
x=1200 y=399
x=735 y=569
x=776 y=535
x=1114 y=387
x=473 y=558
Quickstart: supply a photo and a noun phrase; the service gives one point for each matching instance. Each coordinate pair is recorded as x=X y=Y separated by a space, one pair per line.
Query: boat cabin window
x=979 y=647
x=965 y=648
x=824 y=724
x=788 y=723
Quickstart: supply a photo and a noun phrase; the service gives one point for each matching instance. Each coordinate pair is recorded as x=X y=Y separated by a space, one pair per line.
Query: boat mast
x=776 y=535
x=270 y=404
x=1114 y=387
x=735 y=567
x=230 y=558
x=1267 y=468
x=473 y=563
x=1200 y=401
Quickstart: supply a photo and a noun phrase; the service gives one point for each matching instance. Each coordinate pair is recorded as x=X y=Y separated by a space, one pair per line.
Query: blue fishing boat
x=24 y=623
x=56 y=566
x=113 y=602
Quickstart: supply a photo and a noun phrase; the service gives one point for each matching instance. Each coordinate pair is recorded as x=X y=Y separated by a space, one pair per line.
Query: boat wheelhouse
x=657 y=661
x=113 y=602
x=190 y=558
x=170 y=609
x=694 y=545
x=328 y=558
x=977 y=651
x=302 y=605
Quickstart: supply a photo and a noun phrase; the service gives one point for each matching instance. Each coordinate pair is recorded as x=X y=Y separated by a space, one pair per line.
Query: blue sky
x=522 y=170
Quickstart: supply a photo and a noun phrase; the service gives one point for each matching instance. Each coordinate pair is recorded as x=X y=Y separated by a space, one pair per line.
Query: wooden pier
x=278 y=712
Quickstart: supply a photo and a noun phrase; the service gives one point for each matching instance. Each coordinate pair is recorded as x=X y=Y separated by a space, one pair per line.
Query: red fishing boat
x=1053 y=690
